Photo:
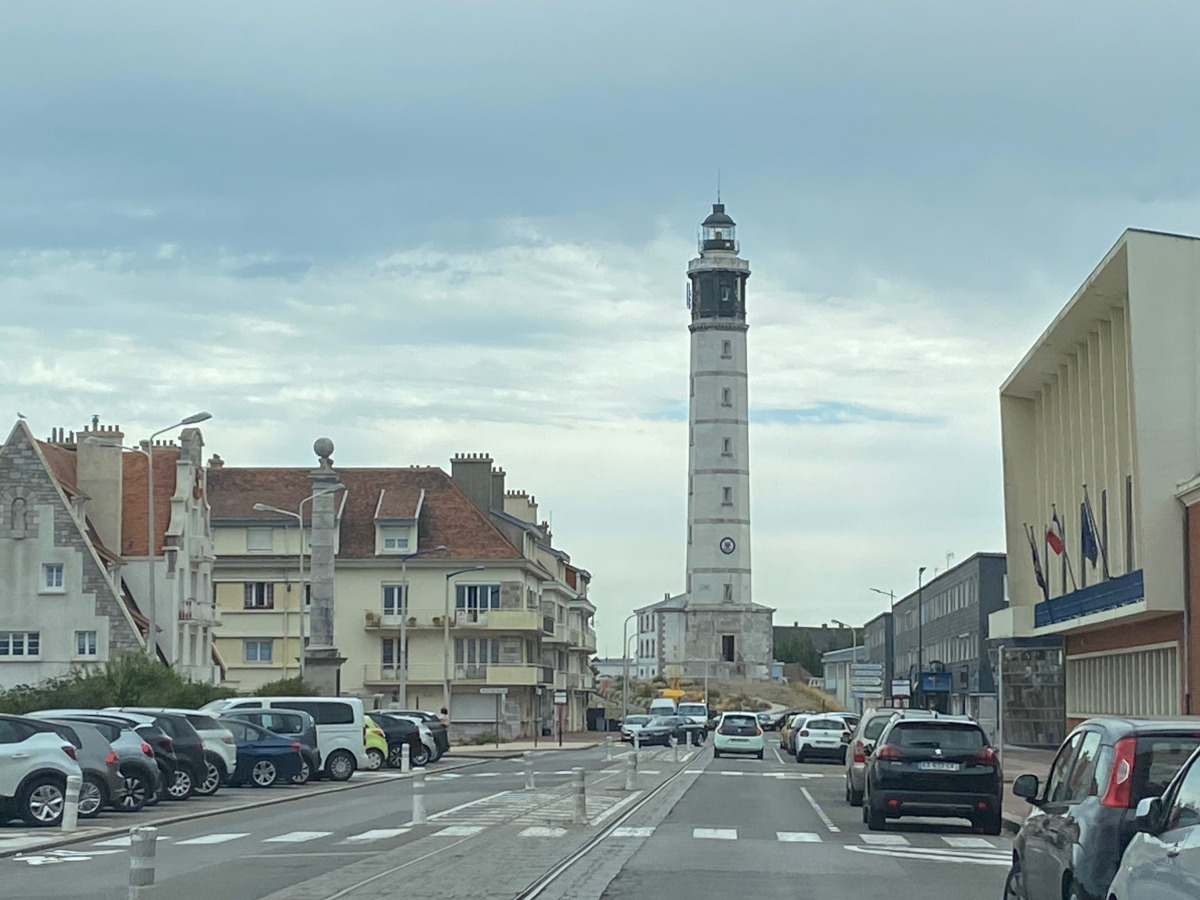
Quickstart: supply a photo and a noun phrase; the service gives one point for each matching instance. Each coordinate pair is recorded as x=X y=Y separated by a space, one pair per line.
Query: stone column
x=321 y=658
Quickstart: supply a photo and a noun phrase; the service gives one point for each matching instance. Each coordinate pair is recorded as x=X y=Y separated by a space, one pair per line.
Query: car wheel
x=856 y=797
x=716 y=753
x=421 y=757
x=212 y=776
x=375 y=759
x=137 y=793
x=263 y=773
x=41 y=801
x=876 y=820
x=760 y=754
x=991 y=824
x=181 y=788
x=340 y=765
x=304 y=774
x=92 y=797
x=1012 y=885
x=799 y=756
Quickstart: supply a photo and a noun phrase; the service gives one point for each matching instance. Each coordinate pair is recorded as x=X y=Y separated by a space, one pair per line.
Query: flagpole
x=1091 y=513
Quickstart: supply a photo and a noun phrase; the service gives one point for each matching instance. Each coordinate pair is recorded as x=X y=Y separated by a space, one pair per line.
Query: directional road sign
x=493 y=690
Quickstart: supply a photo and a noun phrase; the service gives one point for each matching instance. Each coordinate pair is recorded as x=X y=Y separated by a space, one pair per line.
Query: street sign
x=493 y=690
x=866 y=668
x=863 y=683
x=862 y=694
x=901 y=688
x=560 y=698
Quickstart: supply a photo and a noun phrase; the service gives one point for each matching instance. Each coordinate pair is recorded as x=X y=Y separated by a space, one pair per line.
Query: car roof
x=1117 y=726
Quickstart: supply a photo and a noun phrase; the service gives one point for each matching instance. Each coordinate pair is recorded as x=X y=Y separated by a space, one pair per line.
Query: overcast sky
x=431 y=228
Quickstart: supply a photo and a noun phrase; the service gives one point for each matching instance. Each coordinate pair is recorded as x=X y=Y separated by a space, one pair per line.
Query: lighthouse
x=718 y=524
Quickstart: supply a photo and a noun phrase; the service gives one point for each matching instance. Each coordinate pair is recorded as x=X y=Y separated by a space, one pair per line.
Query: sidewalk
x=1022 y=761
x=577 y=740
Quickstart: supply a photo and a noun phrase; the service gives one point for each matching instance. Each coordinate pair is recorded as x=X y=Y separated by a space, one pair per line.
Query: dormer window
x=395 y=544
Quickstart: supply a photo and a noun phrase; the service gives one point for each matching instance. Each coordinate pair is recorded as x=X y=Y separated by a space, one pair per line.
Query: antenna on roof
x=718 y=185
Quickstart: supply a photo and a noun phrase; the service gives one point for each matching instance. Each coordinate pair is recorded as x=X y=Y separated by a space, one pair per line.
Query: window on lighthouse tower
x=726 y=397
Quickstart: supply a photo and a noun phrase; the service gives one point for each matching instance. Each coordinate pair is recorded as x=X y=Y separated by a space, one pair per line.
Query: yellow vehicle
x=785 y=730
x=377 y=745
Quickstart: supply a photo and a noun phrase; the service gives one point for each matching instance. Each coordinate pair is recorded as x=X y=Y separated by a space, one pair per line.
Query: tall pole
x=403 y=655
x=625 y=667
x=890 y=662
x=920 y=639
x=446 y=635
x=152 y=600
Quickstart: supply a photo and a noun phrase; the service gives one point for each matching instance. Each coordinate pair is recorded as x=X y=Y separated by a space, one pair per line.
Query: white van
x=662 y=706
x=339 y=724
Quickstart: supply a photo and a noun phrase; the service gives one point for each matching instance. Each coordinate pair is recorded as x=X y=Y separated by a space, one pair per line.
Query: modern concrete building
x=838 y=673
x=75 y=593
x=1109 y=397
x=714 y=627
x=444 y=584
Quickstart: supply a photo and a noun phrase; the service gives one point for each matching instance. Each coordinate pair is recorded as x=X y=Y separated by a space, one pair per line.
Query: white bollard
x=674 y=749
x=143 y=842
x=631 y=772
x=529 y=779
x=637 y=742
x=580 y=797
x=418 y=814
x=405 y=758
x=608 y=742
x=70 y=816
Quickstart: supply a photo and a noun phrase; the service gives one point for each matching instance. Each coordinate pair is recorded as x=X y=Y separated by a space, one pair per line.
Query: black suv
x=191 y=765
x=441 y=734
x=933 y=766
x=1083 y=817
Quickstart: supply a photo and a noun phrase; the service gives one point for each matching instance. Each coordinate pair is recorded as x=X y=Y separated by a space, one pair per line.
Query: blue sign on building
x=936 y=682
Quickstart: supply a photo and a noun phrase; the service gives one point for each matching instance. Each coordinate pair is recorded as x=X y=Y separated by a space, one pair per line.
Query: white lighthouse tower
x=718 y=534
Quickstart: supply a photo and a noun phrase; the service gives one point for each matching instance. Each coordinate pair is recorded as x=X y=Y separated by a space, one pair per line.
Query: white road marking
x=537 y=831
x=947 y=856
x=683 y=758
x=481 y=774
x=616 y=808
x=458 y=831
x=715 y=834
x=828 y=822
x=776 y=752
x=297 y=837
x=970 y=843
x=376 y=834
x=640 y=771
x=213 y=839
x=730 y=772
x=122 y=841
x=627 y=832
x=885 y=840
x=469 y=803
x=798 y=837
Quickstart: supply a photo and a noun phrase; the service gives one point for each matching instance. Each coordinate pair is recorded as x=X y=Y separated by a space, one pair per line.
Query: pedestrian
x=444 y=716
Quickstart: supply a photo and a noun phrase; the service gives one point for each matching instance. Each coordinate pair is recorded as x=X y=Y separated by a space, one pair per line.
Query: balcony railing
x=202 y=612
x=589 y=640
x=499 y=619
x=499 y=675
x=392 y=620
x=389 y=673
x=1116 y=592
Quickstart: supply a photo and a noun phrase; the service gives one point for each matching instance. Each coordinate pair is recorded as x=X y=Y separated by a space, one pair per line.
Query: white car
x=738 y=732
x=819 y=735
x=697 y=712
x=630 y=725
x=34 y=765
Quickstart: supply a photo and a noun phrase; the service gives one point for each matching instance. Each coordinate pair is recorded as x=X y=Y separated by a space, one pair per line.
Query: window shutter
x=460 y=592
x=247 y=594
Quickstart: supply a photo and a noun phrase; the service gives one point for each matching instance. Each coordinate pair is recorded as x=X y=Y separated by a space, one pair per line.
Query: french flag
x=1055 y=536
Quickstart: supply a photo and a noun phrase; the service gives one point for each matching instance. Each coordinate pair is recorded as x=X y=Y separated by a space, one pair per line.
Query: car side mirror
x=1149 y=814
x=1027 y=787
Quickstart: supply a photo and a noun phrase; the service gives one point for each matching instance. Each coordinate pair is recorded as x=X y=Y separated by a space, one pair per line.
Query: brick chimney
x=497 y=499
x=472 y=472
x=98 y=472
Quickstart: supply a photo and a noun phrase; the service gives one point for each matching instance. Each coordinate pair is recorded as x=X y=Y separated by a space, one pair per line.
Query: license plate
x=938 y=766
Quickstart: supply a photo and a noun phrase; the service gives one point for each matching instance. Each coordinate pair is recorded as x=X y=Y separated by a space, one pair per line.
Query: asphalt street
x=700 y=827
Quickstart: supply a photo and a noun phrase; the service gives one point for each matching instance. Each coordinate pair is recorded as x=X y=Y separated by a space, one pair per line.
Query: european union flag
x=1088 y=543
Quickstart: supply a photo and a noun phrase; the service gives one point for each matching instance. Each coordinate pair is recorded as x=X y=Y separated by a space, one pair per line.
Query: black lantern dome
x=718 y=231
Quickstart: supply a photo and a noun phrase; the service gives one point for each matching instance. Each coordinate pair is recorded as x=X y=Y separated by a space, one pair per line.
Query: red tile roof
x=448 y=517
x=135 y=506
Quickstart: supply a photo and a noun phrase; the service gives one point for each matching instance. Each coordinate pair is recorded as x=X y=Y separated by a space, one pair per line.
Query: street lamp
x=920 y=639
x=446 y=636
x=404 y=619
x=625 y=666
x=299 y=517
x=151 y=623
x=891 y=661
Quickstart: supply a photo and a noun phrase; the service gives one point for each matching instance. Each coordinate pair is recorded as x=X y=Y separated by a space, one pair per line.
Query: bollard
x=405 y=758
x=70 y=815
x=529 y=780
x=637 y=742
x=674 y=749
x=608 y=742
x=631 y=772
x=143 y=842
x=418 y=814
x=580 y=797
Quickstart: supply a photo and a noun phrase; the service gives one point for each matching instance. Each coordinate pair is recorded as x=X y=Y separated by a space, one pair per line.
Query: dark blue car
x=263 y=757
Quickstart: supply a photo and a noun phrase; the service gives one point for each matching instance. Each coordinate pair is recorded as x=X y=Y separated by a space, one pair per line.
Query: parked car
x=862 y=743
x=819 y=736
x=785 y=728
x=140 y=778
x=631 y=725
x=1084 y=817
x=766 y=720
x=398 y=732
x=738 y=732
x=191 y=768
x=102 y=782
x=441 y=734
x=220 y=752
x=427 y=739
x=933 y=766
x=263 y=758
x=339 y=722
x=660 y=730
x=162 y=747
x=1162 y=862
x=697 y=712
x=662 y=706
x=294 y=725
x=376 y=743
x=35 y=763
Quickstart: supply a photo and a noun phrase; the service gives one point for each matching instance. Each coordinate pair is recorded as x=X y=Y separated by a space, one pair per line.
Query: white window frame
x=258 y=643
x=53 y=578
x=470 y=603
x=90 y=650
x=260 y=540
x=394 y=601
x=264 y=599
x=10 y=640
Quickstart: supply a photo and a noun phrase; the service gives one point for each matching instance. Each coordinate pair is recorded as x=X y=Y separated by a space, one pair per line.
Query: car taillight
x=887 y=751
x=758 y=731
x=987 y=757
x=860 y=752
x=112 y=757
x=147 y=750
x=70 y=751
x=804 y=733
x=1120 y=786
x=295 y=746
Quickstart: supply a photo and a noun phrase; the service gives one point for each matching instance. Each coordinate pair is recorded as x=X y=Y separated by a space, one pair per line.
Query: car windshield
x=825 y=725
x=874 y=727
x=636 y=720
x=693 y=709
x=743 y=721
x=662 y=721
x=937 y=736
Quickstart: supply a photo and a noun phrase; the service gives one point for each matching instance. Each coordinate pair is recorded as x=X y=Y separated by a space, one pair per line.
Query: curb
x=118 y=831
x=516 y=754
